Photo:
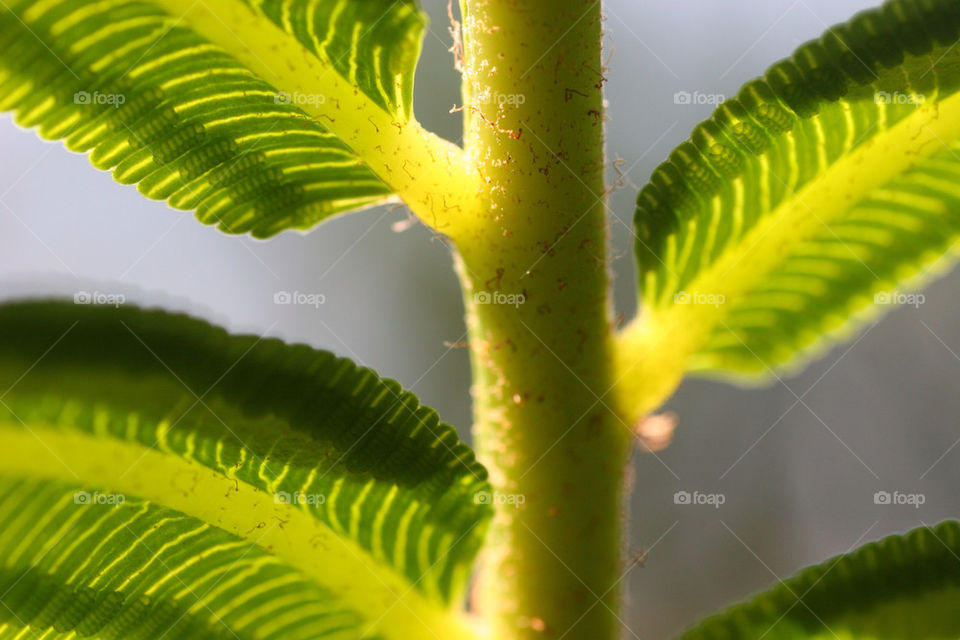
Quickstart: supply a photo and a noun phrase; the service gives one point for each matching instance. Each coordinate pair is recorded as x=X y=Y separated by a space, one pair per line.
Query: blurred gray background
x=798 y=475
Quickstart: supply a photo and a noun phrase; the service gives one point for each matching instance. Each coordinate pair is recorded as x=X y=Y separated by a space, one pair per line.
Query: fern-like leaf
x=155 y=469
x=819 y=194
x=176 y=98
x=900 y=588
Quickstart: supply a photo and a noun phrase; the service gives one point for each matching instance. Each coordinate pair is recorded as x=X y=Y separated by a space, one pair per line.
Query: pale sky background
x=798 y=476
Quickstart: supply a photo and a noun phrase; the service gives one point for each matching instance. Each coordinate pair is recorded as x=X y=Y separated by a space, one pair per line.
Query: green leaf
x=235 y=457
x=131 y=570
x=180 y=99
x=827 y=185
x=902 y=587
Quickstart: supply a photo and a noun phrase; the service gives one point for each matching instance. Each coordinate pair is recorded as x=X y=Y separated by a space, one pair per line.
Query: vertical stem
x=535 y=275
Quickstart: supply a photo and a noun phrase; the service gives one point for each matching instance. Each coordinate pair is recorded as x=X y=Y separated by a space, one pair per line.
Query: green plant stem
x=535 y=275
